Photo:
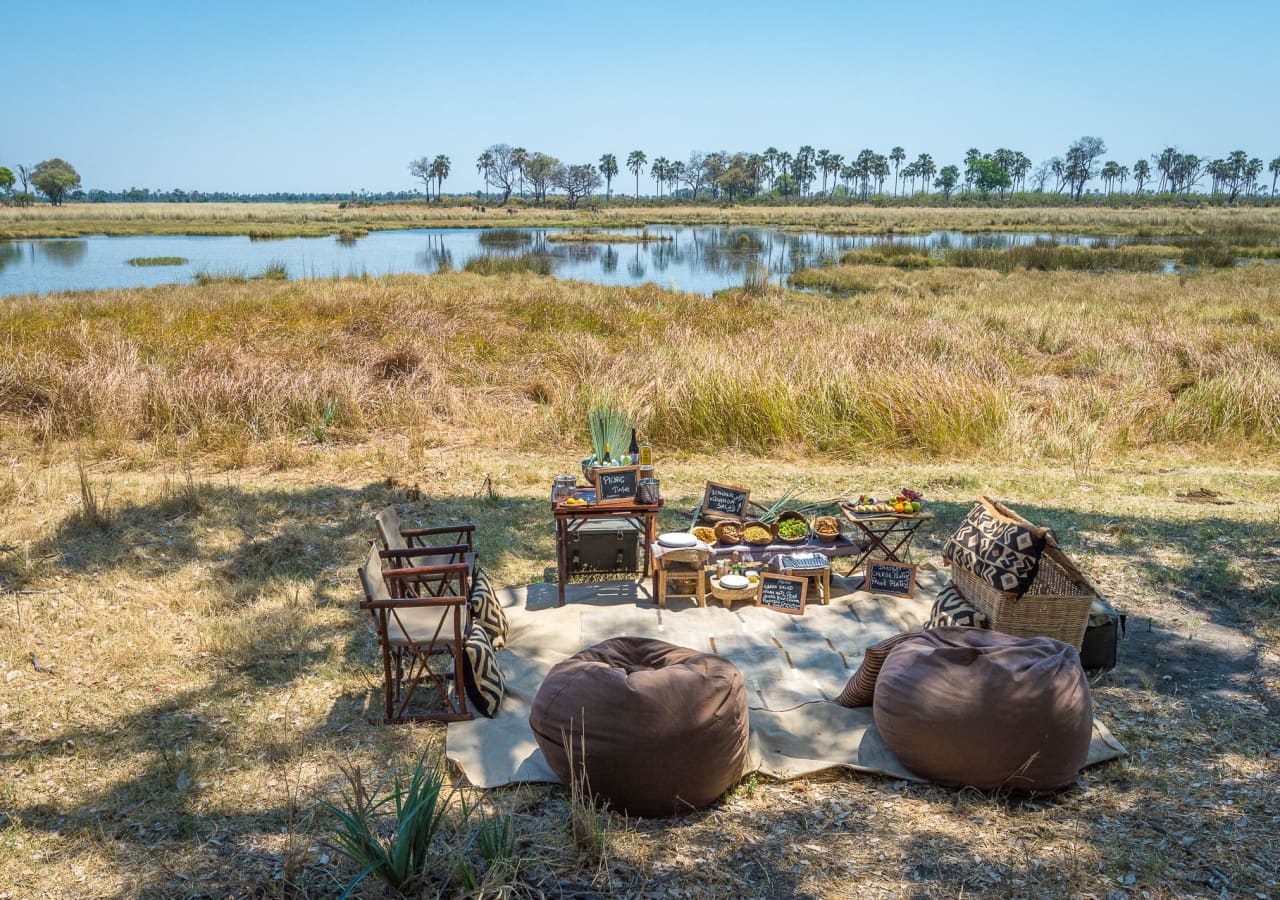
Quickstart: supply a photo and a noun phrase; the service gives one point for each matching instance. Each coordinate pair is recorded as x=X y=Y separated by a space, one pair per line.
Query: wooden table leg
x=562 y=556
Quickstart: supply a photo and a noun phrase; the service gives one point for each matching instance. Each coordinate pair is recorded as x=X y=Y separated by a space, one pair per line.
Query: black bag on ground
x=1102 y=638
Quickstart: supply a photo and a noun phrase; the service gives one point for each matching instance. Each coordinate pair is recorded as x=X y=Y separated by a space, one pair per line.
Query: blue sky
x=340 y=96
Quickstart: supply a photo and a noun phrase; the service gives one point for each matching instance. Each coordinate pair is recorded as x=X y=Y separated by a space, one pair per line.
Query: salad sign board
x=724 y=501
x=895 y=579
x=617 y=485
x=783 y=593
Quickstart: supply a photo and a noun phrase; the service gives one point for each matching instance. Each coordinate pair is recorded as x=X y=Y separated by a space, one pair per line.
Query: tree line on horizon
x=786 y=175
x=773 y=174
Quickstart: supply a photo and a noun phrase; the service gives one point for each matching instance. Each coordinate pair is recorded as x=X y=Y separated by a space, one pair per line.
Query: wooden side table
x=887 y=536
x=570 y=519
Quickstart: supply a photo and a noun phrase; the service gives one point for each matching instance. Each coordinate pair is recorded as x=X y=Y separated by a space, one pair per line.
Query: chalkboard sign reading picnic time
x=896 y=579
x=617 y=485
x=783 y=593
x=724 y=501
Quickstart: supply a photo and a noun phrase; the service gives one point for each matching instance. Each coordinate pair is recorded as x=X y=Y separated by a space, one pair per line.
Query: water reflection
x=63 y=252
x=9 y=253
x=704 y=259
x=435 y=257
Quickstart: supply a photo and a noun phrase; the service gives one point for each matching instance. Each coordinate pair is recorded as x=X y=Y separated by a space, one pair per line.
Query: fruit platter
x=907 y=502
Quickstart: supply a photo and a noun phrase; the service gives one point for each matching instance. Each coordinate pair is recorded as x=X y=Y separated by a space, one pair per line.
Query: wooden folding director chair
x=420 y=613
x=409 y=547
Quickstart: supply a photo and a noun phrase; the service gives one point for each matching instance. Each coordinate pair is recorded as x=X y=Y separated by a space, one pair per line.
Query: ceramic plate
x=677 y=539
x=734 y=582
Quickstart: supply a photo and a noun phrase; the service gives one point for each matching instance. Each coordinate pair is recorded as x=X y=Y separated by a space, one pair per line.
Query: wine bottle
x=634 y=450
x=608 y=457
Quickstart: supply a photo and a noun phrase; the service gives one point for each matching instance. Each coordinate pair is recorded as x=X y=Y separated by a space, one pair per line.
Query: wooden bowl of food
x=827 y=528
x=758 y=534
x=728 y=533
x=792 y=528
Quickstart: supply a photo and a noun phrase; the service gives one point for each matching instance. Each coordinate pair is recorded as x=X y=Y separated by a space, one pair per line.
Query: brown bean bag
x=660 y=729
x=970 y=707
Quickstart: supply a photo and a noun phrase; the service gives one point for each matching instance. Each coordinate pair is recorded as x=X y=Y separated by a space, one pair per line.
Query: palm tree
x=484 y=165
x=675 y=174
x=880 y=169
x=608 y=168
x=1253 y=171
x=519 y=158
x=848 y=172
x=659 y=173
x=824 y=166
x=440 y=169
x=1110 y=173
x=971 y=156
x=803 y=167
x=862 y=167
x=835 y=161
x=771 y=164
x=784 y=164
x=1274 y=168
x=910 y=171
x=635 y=162
x=1141 y=174
x=926 y=170
x=897 y=154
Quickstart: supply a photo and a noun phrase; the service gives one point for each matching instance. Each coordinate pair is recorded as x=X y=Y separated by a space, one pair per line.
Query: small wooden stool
x=821 y=579
x=687 y=566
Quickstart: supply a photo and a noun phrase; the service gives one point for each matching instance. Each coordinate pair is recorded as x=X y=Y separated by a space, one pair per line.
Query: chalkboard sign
x=617 y=485
x=898 y=579
x=724 y=501
x=783 y=593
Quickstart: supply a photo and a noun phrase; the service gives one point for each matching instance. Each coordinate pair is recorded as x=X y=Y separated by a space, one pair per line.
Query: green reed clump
x=755 y=281
x=276 y=270
x=505 y=237
x=1048 y=256
x=157 y=261
x=1205 y=252
x=903 y=256
x=222 y=276
x=348 y=236
x=537 y=263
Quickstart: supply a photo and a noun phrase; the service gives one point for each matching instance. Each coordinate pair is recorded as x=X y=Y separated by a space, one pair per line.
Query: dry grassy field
x=189 y=475
x=1245 y=226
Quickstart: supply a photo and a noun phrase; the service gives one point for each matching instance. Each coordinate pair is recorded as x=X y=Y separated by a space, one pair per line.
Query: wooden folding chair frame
x=433 y=586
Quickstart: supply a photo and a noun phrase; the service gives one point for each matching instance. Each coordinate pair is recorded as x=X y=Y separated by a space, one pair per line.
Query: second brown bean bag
x=657 y=729
x=970 y=707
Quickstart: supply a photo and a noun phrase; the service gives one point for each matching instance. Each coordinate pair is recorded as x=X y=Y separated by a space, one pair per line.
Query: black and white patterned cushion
x=1003 y=553
x=486 y=610
x=484 y=682
x=950 y=608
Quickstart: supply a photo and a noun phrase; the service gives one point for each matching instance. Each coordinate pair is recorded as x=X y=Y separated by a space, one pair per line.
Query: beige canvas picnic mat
x=794 y=666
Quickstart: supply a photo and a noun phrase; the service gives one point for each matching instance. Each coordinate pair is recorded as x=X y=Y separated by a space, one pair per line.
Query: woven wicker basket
x=1056 y=605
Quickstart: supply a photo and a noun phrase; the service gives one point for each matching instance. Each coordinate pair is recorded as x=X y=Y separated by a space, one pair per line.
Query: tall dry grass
x=940 y=362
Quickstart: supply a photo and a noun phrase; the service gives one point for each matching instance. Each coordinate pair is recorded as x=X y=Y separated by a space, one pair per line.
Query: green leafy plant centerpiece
x=610 y=432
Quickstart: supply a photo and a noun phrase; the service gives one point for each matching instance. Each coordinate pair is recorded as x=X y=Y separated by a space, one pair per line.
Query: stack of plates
x=734 y=582
x=677 y=540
